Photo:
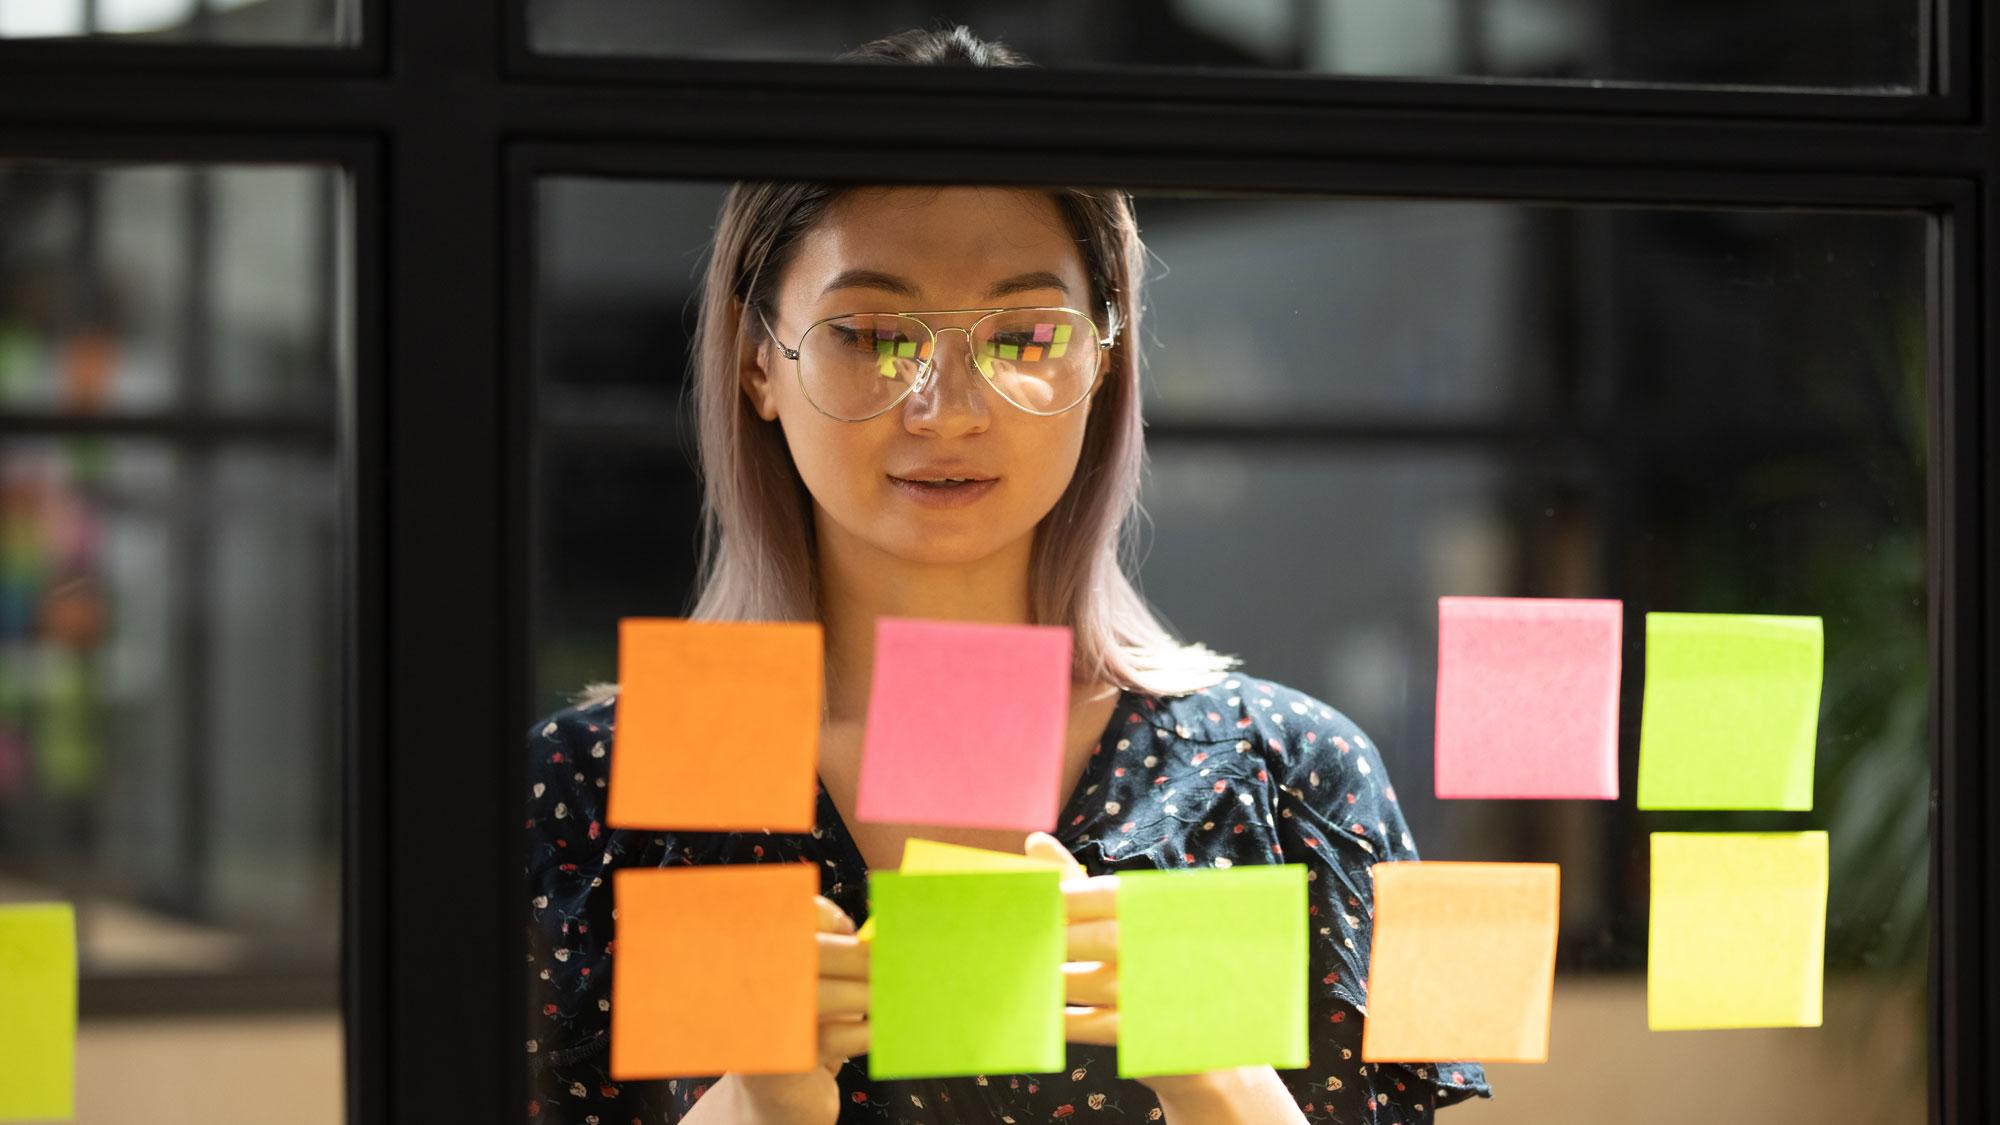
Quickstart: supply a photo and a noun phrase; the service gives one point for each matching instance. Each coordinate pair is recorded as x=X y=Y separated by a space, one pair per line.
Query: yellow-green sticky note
x=965 y=973
x=1731 y=711
x=1737 y=936
x=1244 y=930
x=37 y=1012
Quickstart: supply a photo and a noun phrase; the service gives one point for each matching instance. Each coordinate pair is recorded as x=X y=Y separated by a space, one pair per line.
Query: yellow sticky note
x=37 y=1012
x=932 y=857
x=1464 y=962
x=1737 y=936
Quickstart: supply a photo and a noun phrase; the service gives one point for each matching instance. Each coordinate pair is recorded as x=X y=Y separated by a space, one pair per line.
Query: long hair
x=758 y=551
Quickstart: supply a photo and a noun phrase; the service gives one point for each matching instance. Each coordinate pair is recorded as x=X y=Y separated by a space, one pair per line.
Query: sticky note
x=1463 y=962
x=1527 y=697
x=1737 y=933
x=38 y=997
x=701 y=701
x=1212 y=969
x=965 y=973
x=716 y=970
x=931 y=857
x=966 y=724
x=1731 y=711
x=1044 y=333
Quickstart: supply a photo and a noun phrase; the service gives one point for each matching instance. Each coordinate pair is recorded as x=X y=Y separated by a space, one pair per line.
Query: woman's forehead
x=940 y=238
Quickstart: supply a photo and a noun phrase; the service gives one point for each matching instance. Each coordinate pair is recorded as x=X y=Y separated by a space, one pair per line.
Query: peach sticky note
x=716 y=970
x=1527 y=697
x=700 y=702
x=966 y=724
x=1463 y=964
x=1737 y=933
x=37 y=1012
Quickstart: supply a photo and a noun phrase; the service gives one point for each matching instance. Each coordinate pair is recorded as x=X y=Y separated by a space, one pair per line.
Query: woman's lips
x=943 y=496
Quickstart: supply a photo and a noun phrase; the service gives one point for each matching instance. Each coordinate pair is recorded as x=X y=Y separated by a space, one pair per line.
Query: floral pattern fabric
x=1248 y=771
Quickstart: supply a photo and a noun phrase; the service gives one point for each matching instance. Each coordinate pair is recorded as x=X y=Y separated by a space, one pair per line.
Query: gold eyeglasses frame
x=930 y=365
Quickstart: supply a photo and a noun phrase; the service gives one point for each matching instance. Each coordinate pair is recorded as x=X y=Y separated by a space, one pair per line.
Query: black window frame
x=443 y=119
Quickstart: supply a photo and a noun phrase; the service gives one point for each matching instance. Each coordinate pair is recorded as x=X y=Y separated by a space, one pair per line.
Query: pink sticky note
x=1527 y=702
x=1044 y=332
x=966 y=724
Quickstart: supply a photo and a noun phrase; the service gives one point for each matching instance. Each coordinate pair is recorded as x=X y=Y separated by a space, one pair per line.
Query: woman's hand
x=1090 y=971
x=814 y=1095
x=1090 y=979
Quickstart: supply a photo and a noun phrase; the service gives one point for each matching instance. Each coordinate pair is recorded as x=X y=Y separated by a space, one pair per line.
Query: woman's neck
x=859 y=583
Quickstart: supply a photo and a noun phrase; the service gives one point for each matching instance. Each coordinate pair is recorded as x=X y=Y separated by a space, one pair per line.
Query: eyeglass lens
x=1041 y=360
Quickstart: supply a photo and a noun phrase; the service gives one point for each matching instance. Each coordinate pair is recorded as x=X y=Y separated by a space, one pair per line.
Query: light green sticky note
x=1731 y=711
x=1737 y=936
x=965 y=973
x=37 y=1012
x=1245 y=930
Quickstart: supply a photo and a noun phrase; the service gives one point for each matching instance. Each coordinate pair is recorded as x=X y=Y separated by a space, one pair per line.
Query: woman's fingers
x=1091 y=1025
x=1091 y=984
x=841 y=1040
x=842 y=997
x=832 y=919
x=1093 y=941
x=1090 y=899
x=843 y=956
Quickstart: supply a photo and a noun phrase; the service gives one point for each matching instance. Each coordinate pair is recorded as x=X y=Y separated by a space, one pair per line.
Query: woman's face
x=892 y=249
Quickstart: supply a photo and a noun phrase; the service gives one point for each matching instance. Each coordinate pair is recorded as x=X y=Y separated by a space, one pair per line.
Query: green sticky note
x=1244 y=929
x=1737 y=936
x=1731 y=711
x=965 y=974
x=37 y=1012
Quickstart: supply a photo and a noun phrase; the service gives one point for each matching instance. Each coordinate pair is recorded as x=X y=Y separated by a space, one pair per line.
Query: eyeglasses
x=854 y=366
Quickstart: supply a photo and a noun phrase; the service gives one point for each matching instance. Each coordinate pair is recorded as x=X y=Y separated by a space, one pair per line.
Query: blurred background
x=1363 y=404
x=171 y=340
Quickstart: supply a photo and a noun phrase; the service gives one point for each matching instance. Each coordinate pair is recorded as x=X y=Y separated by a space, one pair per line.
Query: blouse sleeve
x=1337 y=814
x=572 y=931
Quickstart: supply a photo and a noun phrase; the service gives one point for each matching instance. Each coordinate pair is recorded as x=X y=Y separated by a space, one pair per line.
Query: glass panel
x=280 y=23
x=169 y=635
x=1873 y=45
x=1698 y=410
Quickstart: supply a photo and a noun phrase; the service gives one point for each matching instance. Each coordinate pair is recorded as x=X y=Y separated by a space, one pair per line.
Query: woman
x=857 y=463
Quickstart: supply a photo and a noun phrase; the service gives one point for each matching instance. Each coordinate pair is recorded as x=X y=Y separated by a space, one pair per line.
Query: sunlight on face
x=922 y=248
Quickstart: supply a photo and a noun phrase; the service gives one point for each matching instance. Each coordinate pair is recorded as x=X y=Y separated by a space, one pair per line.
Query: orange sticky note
x=1464 y=962
x=716 y=970
x=700 y=702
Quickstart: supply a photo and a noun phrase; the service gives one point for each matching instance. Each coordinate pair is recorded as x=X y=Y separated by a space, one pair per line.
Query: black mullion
x=445 y=985
x=1577 y=181
x=1241 y=89
x=522 y=547
x=367 y=918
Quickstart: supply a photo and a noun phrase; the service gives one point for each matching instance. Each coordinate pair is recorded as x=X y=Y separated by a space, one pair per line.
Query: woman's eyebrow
x=890 y=283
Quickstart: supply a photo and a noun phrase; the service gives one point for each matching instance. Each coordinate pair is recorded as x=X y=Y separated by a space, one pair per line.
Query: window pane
x=1844 y=44
x=291 y=23
x=169 y=631
x=1357 y=406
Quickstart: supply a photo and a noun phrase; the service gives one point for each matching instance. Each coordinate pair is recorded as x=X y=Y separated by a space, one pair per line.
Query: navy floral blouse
x=1248 y=771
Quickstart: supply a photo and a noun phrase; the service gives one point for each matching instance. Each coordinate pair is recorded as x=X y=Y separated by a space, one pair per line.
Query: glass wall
x=170 y=343
x=1854 y=45
x=1358 y=406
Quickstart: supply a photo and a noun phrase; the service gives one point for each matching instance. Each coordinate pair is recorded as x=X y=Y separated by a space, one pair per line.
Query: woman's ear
x=750 y=370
